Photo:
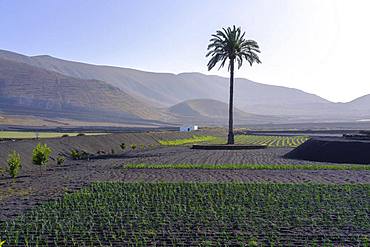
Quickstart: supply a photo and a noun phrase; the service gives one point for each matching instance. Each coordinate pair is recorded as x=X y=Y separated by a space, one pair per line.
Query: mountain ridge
x=36 y=89
x=159 y=92
x=213 y=111
x=42 y=56
x=131 y=80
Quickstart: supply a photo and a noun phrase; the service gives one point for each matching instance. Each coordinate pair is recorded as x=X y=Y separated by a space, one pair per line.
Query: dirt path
x=34 y=188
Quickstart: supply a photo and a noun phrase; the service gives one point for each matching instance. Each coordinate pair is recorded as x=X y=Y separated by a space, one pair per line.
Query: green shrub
x=253 y=242
x=60 y=160
x=65 y=135
x=40 y=154
x=142 y=146
x=75 y=154
x=14 y=163
x=133 y=146
x=79 y=154
x=80 y=134
x=123 y=146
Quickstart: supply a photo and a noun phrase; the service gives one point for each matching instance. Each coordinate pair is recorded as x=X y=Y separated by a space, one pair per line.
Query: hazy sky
x=320 y=46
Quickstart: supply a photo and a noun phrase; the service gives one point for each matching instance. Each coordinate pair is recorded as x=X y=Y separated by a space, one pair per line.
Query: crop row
x=193 y=139
x=250 y=166
x=271 y=141
x=141 y=214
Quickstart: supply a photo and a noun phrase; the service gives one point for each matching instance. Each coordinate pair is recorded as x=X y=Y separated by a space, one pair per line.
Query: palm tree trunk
x=230 y=137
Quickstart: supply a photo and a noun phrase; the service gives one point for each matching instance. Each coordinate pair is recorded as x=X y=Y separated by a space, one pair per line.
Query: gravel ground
x=185 y=155
x=35 y=187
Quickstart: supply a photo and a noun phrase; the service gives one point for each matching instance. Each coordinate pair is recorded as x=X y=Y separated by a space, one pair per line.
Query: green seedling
x=114 y=213
x=14 y=164
x=60 y=160
x=40 y=155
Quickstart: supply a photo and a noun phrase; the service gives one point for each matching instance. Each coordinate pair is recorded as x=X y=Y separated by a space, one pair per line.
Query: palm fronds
x=230 y=44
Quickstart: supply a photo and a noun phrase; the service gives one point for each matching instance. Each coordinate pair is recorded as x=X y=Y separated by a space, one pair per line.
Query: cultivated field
x=143 y=214
x=29 y=135
x=270 y=141
x=192 y=140
x=164 y=193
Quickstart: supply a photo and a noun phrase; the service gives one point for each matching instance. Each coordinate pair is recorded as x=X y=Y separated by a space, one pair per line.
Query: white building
x=188 y=128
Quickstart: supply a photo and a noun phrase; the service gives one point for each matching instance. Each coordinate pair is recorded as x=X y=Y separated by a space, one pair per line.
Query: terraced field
x=203 y=214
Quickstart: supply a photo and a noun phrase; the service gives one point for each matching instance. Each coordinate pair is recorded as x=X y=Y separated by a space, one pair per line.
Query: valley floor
x=35 y=187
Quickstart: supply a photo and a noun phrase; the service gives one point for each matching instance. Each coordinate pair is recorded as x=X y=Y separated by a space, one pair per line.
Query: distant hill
x=26 y=89
x=361 y=103
x=213 y=111
x=165 y=89
x=44 y=83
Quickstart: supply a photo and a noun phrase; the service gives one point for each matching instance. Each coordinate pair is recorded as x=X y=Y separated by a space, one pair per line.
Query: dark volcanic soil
x=333 y=149
x=35 y=187
x=92 y=144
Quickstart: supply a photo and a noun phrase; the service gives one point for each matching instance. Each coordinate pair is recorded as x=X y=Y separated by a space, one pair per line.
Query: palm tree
x=230 y=44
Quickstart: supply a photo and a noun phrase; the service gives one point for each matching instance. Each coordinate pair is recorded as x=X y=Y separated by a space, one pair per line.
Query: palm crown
x=230 y=44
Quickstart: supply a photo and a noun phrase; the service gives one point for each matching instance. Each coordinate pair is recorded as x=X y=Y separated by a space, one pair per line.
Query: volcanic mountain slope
x=169 y=89
x=214 y=111
x=362 y=103
x=28 y=89
x=146 y=92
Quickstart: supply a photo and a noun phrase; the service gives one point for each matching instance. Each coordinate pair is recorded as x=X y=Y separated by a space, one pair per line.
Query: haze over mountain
x=205 y=111
x=26 y=89
x=46 y=83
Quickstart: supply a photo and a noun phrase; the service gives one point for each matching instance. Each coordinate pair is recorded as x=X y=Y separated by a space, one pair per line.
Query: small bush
x=40 y=154
x=80 y=134
x=123 y=146
x=133 y=146
x=79 y=154
x=142 y=146
x=65 y=135
x=14 y=163
x=75 y=154
x=253 y=242
x=60 y=160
